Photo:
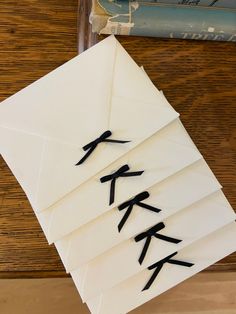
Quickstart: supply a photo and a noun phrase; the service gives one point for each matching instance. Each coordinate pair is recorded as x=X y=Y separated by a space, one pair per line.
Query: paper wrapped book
x=114 y=179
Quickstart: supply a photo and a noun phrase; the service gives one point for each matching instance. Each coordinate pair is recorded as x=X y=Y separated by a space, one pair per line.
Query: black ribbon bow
x=121 y=172
x=158 y=266
x=137 y=200
x=92 y=145
x=152 y=232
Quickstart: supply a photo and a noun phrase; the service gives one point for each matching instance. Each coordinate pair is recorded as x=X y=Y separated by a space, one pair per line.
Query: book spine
x=155 y=20
x=205 y=3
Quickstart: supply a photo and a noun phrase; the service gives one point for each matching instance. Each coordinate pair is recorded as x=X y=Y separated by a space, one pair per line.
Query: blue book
x=205 y=3
x=145 y=18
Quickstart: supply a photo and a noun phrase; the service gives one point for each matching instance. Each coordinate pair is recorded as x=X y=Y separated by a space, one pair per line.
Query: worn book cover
x=145 y=18
x=204 y=3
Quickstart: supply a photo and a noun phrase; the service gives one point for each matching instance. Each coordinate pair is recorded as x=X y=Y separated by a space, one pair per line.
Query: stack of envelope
x=114 y=179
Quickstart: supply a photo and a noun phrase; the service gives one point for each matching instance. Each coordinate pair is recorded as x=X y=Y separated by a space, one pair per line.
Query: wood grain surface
x=35 y=38
x=198 y=78
x=208 y=293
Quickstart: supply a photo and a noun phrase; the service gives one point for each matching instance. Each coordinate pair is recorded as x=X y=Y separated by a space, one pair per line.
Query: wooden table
x=198 y=78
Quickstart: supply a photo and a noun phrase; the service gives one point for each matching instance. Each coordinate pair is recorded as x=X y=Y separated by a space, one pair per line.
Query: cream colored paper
x=165 y=153
x=42 y=131
x=188 y=225
x=44 y=126
x=128 y=295
x=171 y=195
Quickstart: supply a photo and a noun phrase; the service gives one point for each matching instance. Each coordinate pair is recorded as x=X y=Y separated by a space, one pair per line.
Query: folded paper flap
x=202 y=254
x=185 y=188
x=52 y=108
x=175 y=233
x=46 y=106
x=60 y=175
x=170 y=158
x=45 y=168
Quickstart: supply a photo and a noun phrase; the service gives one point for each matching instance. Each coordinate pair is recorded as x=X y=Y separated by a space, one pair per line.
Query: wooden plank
x=209 y=293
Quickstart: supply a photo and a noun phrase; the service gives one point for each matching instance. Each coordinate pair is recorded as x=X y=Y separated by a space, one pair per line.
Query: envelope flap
x=61 y=108
x=61 y=105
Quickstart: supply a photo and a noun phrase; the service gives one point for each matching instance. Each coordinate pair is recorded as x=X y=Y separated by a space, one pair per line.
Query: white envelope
x=171 y=195
x=128 y=295
x=163 y=154
x=188 y=225
x=44 y=126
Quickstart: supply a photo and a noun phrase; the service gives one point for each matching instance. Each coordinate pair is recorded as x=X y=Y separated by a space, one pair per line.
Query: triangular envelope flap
x=65 y=100
x=15 y=148
x=158 y=156
x=59 y=175
x=130 y=117
x=202 y=253
x=41 y=109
